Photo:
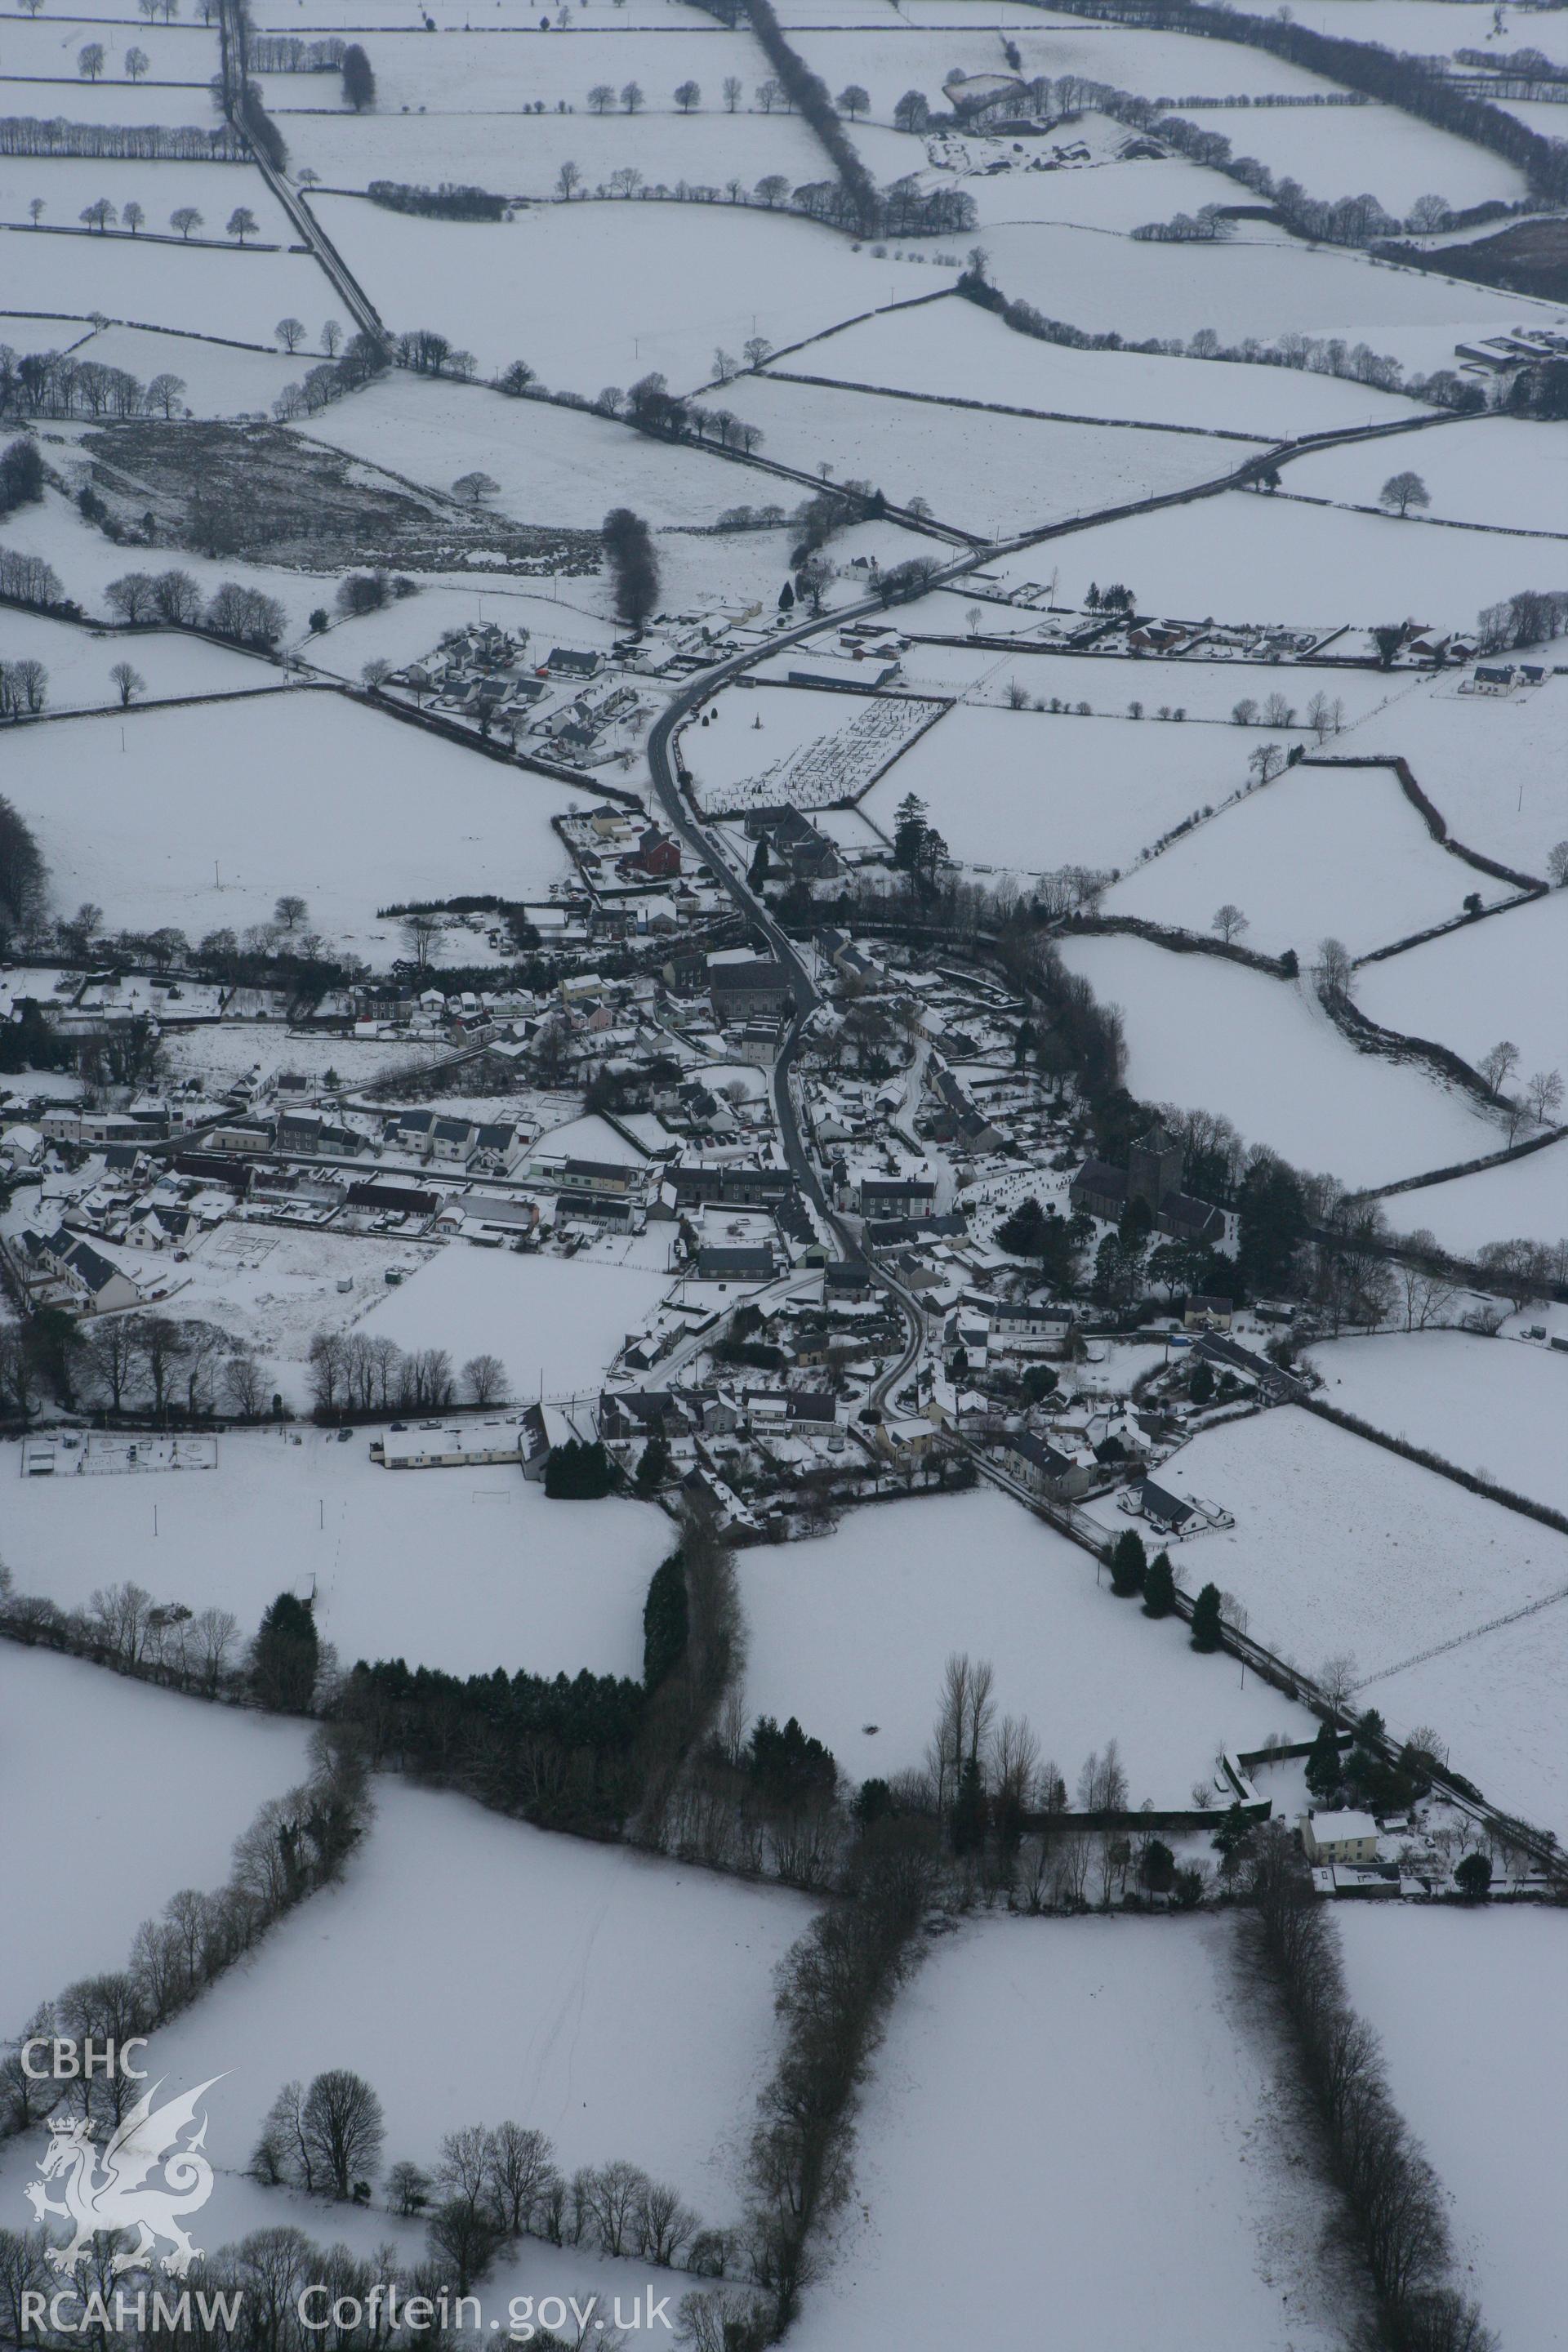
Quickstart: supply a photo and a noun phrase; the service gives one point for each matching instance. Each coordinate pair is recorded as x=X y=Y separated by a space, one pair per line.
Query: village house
x=1043 y=1468
x=98 y=1286
x=1340 y=1837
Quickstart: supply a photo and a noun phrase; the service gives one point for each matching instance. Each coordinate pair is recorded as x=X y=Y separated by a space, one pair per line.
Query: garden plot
x=1497 y=470
x=194 y=287
x=1069 y=2074
x=237 y=1048
x=985 y=471
x=1280 y=855
x=557 y=1324
x=151 y=1788
x=1492 y=765
x=627 y=2007
x=553 y=464
x=78 y=662
x=1082 y=1665
x=1243 y=557
x=959 y=352
x=668 y=287
x=1212 y=1036
x=134 y=822
x=1031 y=791
x=67 y=186
x=1488 y=2101
x=1141 y=289
x=1342 y=1548
x=1504 y=979
x=512 y=154
x=464 y=1570
x=219 y=379
x=768 y=753
x=1526 y=1197
x=504 y=71
x=1495 y=1407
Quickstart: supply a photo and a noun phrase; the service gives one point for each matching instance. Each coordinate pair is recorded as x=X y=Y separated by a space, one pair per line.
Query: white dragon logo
x=121 y=2196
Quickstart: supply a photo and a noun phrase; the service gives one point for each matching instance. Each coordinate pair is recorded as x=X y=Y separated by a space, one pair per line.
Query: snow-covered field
x=1321 y=852
x=65 y=185
x=1491 y=764
x=1497 y=470
x=555 y=1322
x=1345 y=150
x=184 y=106
x=985 y=472
x=1212 y=1036
x=889 y=59
x=464 y=1570
x=1030 y=790
x=219 y=379
x=512 y=154
x=1341 y=1546
x=553 y=464
x=1503 y=979
x=190 y=287
x=799 y=745
x=1527 y=1197
x=47 y=46
x=499 y=69
x=145 y=1793
x=1082 y=1665
x=661 y=299
x=1264 y=290
x=1497 y=1407
x=1246 y=558
x=1474 y=2035
x=78 y=662
x=146 y=852
x=1042 y=2083
x=962 y=353
x=626 y=2005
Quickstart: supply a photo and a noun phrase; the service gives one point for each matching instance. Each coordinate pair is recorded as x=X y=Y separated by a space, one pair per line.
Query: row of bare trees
x=297 y=1843
x=1393 y=2197
x=360 y=1371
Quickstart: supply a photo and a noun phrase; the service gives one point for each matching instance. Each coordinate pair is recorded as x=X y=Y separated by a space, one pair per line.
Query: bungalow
x=1167 y=1514
x=461 y=1447
x=1340 y=1837
x=566 y=661
x=741 y=1263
